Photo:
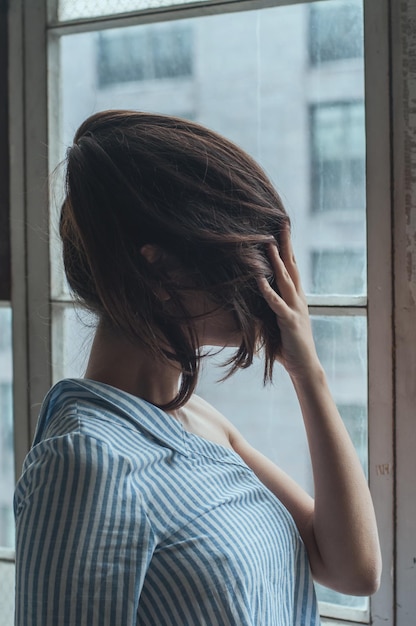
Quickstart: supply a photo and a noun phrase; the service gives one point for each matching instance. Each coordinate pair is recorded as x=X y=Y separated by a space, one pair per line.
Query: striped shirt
x=124 y=518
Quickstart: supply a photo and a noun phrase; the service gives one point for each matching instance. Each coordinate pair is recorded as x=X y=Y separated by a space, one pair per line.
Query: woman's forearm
x=344 y=525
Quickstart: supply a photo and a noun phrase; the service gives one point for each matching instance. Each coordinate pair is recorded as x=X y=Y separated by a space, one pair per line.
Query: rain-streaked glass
x=335 y=31
x=338 y=156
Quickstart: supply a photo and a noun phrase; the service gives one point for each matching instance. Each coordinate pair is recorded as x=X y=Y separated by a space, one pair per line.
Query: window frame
x=33 y=53
x=5 y=271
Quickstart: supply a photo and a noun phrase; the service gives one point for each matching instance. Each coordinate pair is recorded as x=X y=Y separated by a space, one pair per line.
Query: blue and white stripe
x=124 y=518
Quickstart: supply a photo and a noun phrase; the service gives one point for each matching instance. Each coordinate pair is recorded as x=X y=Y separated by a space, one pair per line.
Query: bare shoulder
x=196 y=402
x=211 y=420
x=234 y=438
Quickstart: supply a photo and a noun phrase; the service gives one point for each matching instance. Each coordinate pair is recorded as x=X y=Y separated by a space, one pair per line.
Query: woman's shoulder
x=205 y=420
x=76 y=410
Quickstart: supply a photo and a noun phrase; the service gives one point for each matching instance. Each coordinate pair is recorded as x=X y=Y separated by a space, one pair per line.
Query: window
x=335 y=31
x=259 y=76
x=143 y=54
x=338 y=157
x=338 y=271
x=279 y=81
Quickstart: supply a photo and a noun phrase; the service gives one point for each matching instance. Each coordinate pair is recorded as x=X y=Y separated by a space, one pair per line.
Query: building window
x=341 y=272
x=337 y=156
x=143 y=53
x=335 y=31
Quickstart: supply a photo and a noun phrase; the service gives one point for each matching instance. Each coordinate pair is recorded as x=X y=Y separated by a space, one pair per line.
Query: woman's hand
x=298 y=348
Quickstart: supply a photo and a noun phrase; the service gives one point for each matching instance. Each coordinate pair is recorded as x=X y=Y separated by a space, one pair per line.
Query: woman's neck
x=116 y=361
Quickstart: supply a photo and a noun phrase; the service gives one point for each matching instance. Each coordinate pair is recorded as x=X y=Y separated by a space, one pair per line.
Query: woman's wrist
x=308 y=374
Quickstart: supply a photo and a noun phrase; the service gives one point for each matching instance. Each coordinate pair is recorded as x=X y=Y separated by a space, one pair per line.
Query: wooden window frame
x=391 y=199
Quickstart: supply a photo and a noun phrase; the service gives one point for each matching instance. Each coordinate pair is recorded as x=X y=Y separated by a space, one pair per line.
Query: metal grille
x=77 y=9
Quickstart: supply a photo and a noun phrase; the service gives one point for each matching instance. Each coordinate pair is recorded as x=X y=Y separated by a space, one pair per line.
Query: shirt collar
x=138 y=413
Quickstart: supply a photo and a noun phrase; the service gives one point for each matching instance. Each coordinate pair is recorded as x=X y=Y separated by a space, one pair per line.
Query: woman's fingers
x=284 y=280
x=275 y=302
x=289 y=297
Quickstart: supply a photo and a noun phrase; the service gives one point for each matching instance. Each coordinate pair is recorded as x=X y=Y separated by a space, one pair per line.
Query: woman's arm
x=339 y=527
x=83 y=540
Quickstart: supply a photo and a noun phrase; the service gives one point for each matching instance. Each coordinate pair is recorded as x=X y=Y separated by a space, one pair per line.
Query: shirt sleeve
x=83 y=539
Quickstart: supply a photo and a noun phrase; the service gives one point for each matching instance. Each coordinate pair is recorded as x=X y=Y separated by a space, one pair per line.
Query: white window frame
x=391 y=200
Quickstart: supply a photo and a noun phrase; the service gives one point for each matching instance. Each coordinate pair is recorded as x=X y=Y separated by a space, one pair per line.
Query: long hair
x=137 y=178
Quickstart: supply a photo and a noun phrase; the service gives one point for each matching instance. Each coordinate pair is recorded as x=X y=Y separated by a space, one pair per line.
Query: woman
x=139 y=503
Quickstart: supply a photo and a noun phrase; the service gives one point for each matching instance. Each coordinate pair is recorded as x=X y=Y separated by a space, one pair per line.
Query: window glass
x=6 y=431
x=308 y=134
x=335 y=31
x=72 y=334
x=7 y=591
x=151 y=54
x=76 y=9
x=338 y=156
x=338 y=271
x=306 y=128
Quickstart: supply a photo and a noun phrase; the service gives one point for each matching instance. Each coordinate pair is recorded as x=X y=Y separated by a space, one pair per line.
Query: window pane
x=338 y=271
x=150 y=54
x=72 y=333
x=7 y=575
x=305 y=125
x=335 y=31
x=76 y=9
x=307 y=131
x=338 y=157
x=6 y=431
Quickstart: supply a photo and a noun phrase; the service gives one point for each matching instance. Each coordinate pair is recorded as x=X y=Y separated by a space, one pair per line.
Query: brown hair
x=137 y=178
